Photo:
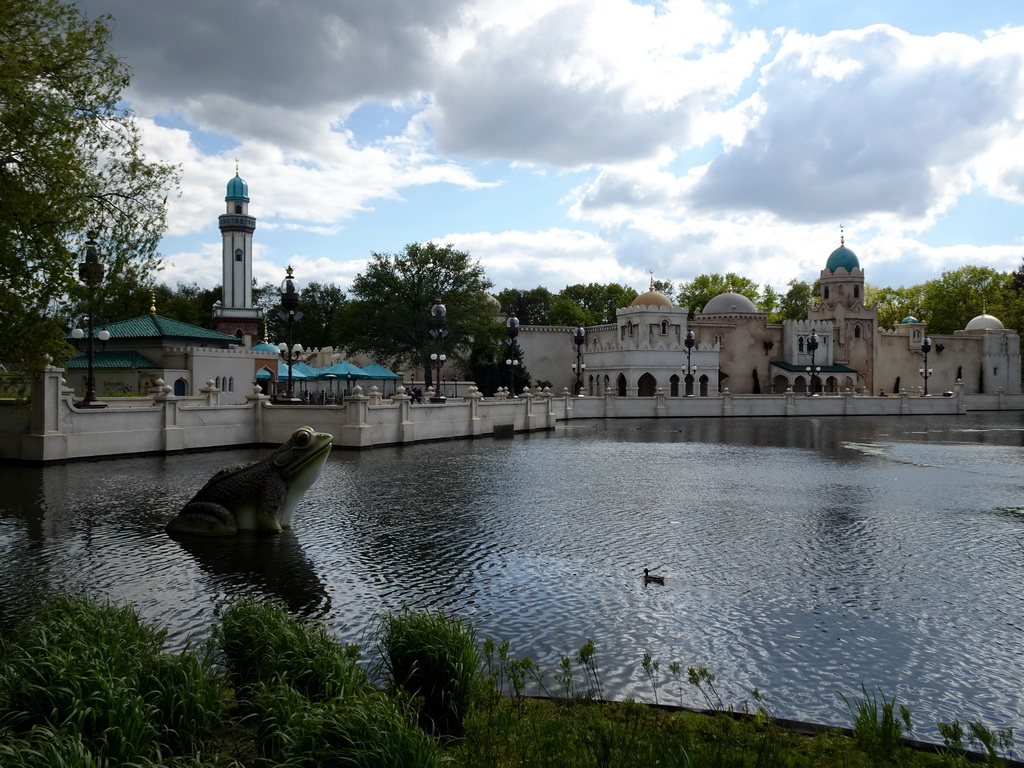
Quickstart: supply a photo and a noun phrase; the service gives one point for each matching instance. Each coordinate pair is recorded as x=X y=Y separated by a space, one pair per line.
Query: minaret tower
x=235 y=314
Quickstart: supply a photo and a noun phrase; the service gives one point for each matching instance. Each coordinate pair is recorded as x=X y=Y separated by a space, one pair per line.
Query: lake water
x=803 y=557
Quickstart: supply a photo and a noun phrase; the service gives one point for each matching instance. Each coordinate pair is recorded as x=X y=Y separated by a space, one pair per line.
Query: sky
x=578 y=141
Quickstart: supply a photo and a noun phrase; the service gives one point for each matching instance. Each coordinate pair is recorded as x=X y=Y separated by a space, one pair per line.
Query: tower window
x=826 y=292
x=856 y=291
x=238 y=207
x=238 y=254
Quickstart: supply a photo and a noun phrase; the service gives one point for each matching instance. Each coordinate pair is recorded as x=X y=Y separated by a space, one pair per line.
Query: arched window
x=704 y=386
x=800 y=343
x=856 y=331
x=621 y=385
x=647 y=386
x=238 y=207
x=238 y=254
x=826 y=291
x=231 y=384
x=719 y=340
x=673 y=384
x=664 y=327
x=856 y=291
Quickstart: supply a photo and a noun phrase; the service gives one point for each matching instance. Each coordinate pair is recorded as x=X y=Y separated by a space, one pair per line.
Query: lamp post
x=512 y=363
x=437 y=362
x=579 y=337
x=290 y=303
x=689 y=342
x=926 y=372
x=438 y=320
x=812 y=347
x=90 y=272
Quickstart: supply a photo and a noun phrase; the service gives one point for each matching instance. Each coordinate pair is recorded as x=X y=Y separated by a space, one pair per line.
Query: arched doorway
x=620 y=385
x=180 y=387
x=703 y=382
x=647 y=386
x=673 y=384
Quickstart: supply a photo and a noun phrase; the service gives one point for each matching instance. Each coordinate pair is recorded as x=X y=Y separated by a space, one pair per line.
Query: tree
x=322 y=307
x=894 y=304
x=950 y=302
x=796 y=300
x=769 y=303
x=531 y=307
x=389 y=312
x=71 y=161
x=703 y=288
x=591 y=304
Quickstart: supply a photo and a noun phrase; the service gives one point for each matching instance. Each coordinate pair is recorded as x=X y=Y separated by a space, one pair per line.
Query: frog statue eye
x=302 y=437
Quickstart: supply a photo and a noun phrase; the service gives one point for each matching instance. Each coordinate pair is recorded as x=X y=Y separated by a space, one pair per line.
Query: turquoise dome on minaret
x=842 y=257
x=238 y=189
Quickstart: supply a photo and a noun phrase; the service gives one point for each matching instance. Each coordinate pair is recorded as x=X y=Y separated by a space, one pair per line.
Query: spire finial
x=842 y=235
x=236 y=166
x=152 y=303
x=652 y=280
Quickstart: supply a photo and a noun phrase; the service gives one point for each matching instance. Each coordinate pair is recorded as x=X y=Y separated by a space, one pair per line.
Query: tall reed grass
x=433 y=658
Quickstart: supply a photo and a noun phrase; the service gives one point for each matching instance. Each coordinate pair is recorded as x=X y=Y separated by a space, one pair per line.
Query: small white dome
x=985 y=323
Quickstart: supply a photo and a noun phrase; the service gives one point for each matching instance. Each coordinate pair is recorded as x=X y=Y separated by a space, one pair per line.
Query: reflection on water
x=802 y=556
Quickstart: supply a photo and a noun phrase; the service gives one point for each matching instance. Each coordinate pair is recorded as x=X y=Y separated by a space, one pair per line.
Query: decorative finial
x=842 y=236
x=152 y=303
x=266 y=332
x=652 y=280
x=236 y=166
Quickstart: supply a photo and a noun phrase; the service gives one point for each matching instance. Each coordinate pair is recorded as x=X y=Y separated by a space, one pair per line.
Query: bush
x=432 y=658
x=261 y=643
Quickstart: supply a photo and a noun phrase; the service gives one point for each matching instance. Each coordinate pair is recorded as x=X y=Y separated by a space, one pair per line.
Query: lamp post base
x=90 y=403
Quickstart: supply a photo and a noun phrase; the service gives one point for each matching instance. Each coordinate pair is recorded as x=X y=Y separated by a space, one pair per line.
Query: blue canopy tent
x=343 y=371
x=382 y=374
x=300 y=372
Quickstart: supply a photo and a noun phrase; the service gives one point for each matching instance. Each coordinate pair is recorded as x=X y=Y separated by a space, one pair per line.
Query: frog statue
x=260 y=496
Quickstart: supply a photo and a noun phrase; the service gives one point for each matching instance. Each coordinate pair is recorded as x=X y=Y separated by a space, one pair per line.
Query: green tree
x=591 y=304
x=769 y=303
x=531 y=307
x=796 y=300
x=71 y=161
x=322 y=307
x=703 y=288
x=951 y=301
x=388 y=314
x=894 y=304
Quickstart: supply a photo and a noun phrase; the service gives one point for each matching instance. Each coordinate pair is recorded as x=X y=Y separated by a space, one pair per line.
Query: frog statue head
x=257 y=497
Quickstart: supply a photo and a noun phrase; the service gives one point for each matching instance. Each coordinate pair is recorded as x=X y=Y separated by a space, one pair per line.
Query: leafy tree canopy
x=796 y=300
x=950 y=302
x=703 y=288
x=531 y=307
x=591 y=304
x=72 y=161
x=894 y=304
x=388 y=316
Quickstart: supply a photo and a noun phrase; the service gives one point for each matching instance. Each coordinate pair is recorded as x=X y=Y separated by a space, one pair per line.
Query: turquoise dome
x=842 y=257
x=909 y=319
x=238 y=189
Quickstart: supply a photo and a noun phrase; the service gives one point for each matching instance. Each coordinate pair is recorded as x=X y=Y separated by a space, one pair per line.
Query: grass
x=87 y=684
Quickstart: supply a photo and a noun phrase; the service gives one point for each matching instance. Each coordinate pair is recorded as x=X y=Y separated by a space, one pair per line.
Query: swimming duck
x=651 y=578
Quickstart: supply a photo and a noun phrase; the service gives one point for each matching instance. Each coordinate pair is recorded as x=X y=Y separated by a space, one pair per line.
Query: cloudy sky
x=568 y=141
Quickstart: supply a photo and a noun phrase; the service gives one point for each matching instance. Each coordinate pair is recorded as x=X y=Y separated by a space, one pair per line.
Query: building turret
x=236 y=315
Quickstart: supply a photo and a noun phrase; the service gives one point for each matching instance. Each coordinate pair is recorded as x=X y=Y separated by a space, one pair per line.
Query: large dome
x=238 y=189
x=652 y=299
x=842 y=257
x=985 y=323
x=729 y=303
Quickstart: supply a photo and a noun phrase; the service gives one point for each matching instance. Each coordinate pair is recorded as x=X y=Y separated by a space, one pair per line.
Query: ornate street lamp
x=926 y=372
x=90 y=272
x=579 y=337
x=438 y=332
x=812 y=347
x=290 y=303
x=512 y=364
x=689 y=342
x=437 y=362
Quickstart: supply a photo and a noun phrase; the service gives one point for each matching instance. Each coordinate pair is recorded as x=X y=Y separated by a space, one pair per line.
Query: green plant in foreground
x=705 y=683
x=433 y=658
x=260 y=642
x=651 y=667
x=875 y=726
